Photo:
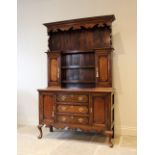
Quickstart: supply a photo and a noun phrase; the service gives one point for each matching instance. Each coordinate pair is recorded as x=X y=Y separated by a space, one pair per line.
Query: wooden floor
x=62 y=142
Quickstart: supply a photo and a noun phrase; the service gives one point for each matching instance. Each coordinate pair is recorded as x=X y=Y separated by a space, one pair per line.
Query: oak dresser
x=79 y=93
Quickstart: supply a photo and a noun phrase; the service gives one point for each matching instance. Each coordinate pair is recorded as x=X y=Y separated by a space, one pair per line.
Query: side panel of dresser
x=46 y=108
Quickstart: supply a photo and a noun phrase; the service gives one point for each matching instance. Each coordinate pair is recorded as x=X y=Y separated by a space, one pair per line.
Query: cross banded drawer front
x=72 y=109
x=71 y=98
x=72 y=119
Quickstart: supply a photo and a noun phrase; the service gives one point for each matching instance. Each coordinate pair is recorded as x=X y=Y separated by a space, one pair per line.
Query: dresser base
x=90 y=110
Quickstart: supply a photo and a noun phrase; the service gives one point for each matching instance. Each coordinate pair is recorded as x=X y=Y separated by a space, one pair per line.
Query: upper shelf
x=78 y=67
x=76 y=24
x=65 y=52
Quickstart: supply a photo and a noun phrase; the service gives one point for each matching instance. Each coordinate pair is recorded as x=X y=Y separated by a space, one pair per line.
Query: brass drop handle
x=63 y=119
x=81 y=109
x=80 y=120
x=63 y=98
x=91 y=110
x=63 y=108
x=53 y=111
x=97 y=75
x=58 y=73
x=53 y=114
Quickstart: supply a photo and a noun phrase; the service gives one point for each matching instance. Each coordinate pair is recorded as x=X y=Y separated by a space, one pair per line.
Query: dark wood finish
x=79 y=93
x=77 y=24
x=77 y=68
x=81 y=39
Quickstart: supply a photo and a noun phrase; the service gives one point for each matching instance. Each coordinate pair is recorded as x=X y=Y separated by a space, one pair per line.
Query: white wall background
x=32 y=43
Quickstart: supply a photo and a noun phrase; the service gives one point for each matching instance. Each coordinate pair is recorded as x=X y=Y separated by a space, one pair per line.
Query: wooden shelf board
x=78 y=67
x=76 y=51
x=79 y=90
x=77 y=81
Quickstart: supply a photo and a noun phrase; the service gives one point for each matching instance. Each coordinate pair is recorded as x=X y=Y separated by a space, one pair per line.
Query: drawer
x=72 y=109
x=72 y=119
x=72 y=98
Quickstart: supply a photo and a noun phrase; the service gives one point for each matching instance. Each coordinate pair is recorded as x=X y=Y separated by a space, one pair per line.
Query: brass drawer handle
x=63 y=119
x=58 y=73
x=63 y=108
x=97 y=74
x=81 y=109
x=80 y=120
x=53 y=114
x=80 y=98
x=63 y=98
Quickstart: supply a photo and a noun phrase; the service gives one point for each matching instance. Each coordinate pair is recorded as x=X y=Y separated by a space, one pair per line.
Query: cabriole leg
x=40 y=131
x=109 y=134
x=110 y=142
x=51 y=128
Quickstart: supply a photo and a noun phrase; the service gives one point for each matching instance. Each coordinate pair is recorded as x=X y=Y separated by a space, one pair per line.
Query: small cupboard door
x=46 y=108
x=101 y=110
x=54 y=68
x=103 y=69
x=98 y=110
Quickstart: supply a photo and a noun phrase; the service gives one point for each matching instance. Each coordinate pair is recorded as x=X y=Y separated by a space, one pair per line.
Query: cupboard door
x=103 y=69
x=46 y=108
x=99 y=110
x=53 y=69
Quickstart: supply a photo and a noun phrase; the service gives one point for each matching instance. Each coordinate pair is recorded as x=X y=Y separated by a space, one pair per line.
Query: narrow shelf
x=77 y=81
x=77 y=51
x=78 y=67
